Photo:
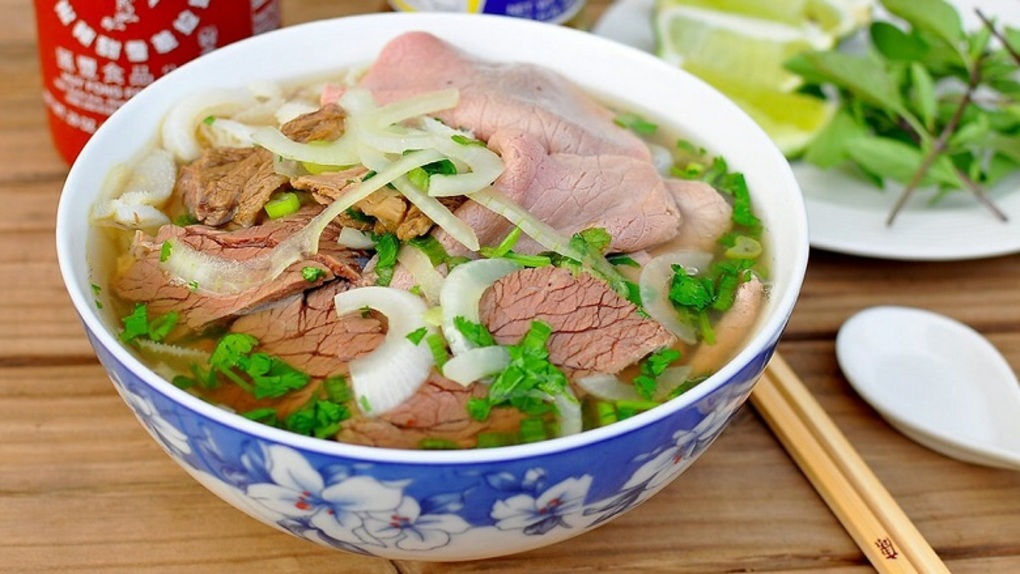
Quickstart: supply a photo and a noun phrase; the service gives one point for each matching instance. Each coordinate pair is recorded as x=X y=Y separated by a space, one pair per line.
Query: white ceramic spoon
x=937 y=380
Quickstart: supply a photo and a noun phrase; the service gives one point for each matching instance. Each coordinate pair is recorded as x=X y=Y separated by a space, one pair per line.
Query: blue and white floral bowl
x=448 y=505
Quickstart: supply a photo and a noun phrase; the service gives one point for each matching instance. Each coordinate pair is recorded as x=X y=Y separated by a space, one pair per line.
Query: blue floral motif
x=430 y=510
x=541 y=510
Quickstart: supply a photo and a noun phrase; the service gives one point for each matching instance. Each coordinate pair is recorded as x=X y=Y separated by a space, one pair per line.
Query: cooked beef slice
x=566 y=160
x=594 y=329
x=306 y=332
x=437 y=411
x=143 y=279
x=233 y=184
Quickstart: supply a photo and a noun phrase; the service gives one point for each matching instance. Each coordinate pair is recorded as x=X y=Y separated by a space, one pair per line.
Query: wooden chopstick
x=858 y=499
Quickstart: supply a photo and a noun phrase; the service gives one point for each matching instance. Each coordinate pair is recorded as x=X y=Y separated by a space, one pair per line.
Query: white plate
x=848 y=215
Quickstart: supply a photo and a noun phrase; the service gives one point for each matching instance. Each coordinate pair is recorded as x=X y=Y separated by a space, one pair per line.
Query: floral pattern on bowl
x=446 y=510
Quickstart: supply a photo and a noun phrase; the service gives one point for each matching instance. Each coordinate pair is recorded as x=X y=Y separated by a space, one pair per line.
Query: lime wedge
x=741 y=47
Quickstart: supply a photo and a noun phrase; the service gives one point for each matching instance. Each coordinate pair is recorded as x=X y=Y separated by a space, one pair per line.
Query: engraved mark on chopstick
x=887 y=548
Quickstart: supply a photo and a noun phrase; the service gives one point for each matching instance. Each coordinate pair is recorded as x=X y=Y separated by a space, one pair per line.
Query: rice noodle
x=180 y=126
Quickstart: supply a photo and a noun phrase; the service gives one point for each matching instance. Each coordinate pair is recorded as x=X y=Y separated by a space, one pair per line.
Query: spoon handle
x=852 y=491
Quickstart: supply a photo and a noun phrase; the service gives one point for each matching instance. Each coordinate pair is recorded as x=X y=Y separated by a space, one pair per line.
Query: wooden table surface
x=83 y=488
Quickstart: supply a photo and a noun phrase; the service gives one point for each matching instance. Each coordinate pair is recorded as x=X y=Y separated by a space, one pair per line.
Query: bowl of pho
x=423 y=287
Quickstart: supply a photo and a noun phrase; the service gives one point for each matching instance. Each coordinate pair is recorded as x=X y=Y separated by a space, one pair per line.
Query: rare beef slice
x=567 y=162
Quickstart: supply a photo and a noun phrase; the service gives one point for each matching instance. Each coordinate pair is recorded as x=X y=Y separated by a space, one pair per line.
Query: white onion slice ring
x=476 y=364
x=396 y=369
x=608 y=387
x=570 y=413
x=427 y=277
x=461 y=292
x=654 y=284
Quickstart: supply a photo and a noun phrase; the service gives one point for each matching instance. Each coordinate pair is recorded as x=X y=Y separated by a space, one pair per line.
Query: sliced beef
x=622 y=194
x=390 y=211
x=566 y=160
x=233 y=184
x=437 y=411
x=594 y=329
x=228 y=184
x=143 y=279
x=307 y=332
x=498 y=96
x=706 y=213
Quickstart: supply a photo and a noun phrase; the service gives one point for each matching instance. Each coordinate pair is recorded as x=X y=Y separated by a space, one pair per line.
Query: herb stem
x=1012 y=51
x=982 y=197
x=939 y=145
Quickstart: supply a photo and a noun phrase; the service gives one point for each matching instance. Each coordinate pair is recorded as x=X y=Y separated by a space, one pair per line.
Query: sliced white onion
x=476 y=364
x=654 y=285
x=483 y=164
x=543 y=234
x=180 y=125
x=426 y=276
x=608 y=387
x=292 y=110
x=670 y=379
x=143 y=190
x=456 y=227
x=462 y=291
x=224 y=132
x=570 y=413
x=396 y=369
x=354 y=239
x=341 y=151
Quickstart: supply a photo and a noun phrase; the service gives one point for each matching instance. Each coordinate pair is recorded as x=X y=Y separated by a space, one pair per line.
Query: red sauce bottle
x=95 y=54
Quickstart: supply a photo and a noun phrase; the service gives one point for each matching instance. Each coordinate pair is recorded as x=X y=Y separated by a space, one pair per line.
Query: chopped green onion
x=282 y=204
x=437 y=444
x=635 y=123
x=533 y=430
x=438 y=347
x=744 y=247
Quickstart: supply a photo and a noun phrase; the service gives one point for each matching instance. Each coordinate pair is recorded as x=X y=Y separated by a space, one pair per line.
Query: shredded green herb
x=312 y=274
x=417 y=335
x=386 y=247
x=138 y=325
x=527 y=381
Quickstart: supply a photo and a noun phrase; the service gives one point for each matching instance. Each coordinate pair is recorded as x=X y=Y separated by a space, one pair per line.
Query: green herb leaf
x=386 y=247
x=312 y=274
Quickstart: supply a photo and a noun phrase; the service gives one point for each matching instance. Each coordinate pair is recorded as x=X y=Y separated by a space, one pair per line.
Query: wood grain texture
x=84 y=489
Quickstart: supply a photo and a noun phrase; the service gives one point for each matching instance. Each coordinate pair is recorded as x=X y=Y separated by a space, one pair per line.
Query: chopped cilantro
x=528 y=381
x=185 y=219
x=137 y=324
x=475 y=333
x=646 y=384
x=386 y=247
x=417 y=335
x=263 y=374
x=431 y=247
x=635 y=123
x=320 y=419
x=312 y=274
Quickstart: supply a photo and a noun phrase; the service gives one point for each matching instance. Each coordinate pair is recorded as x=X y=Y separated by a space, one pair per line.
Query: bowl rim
x=569 y=41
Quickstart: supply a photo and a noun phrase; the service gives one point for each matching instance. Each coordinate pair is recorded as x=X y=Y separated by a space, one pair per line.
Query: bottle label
x=97 y=54
x=553 y=11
